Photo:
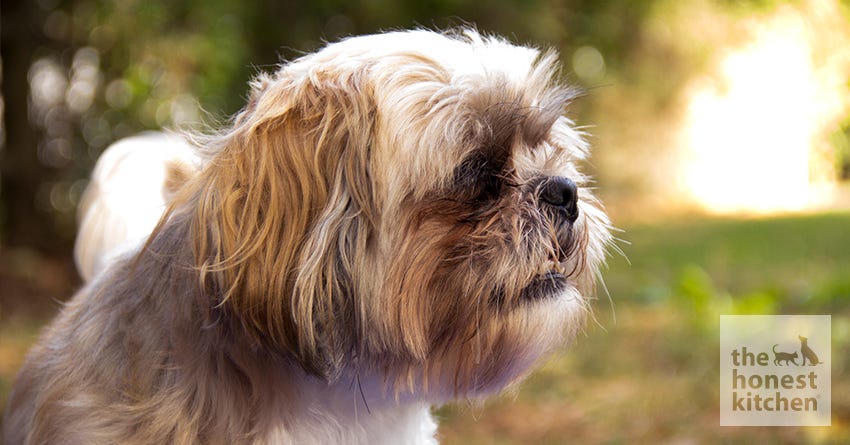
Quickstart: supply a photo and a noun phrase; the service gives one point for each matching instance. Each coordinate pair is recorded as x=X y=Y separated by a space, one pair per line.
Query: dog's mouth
x=546 y=284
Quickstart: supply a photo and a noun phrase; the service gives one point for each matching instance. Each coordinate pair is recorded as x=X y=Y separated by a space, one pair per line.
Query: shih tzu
x=393 y=222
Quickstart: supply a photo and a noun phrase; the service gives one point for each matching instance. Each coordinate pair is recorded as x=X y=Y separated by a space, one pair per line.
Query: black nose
x=561 y=193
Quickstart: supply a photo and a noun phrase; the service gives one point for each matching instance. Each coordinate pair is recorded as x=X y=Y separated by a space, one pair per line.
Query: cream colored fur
x=128 y=192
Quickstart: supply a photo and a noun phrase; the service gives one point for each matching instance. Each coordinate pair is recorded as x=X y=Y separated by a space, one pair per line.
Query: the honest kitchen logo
x=766 y=378
x=747 y=376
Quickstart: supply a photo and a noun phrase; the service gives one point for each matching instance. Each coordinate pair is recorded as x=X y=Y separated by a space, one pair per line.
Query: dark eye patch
x=479 y=177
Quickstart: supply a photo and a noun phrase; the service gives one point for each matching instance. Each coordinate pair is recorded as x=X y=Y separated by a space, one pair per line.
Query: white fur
x=125 y=198
x=342 y=414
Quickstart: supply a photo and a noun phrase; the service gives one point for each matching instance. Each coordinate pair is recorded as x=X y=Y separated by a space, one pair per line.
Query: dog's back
x=129 y=191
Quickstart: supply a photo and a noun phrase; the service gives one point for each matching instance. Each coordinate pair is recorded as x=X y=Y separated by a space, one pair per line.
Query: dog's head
x=406 y=204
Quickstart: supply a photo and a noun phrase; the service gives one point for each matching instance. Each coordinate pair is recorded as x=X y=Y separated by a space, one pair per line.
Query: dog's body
x=391 y=223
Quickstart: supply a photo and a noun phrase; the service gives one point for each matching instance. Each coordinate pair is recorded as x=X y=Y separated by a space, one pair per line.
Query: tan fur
x=177 y=174
x=334 y=241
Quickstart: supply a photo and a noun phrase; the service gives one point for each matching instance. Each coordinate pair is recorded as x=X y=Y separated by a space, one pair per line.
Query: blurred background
x=721 y=133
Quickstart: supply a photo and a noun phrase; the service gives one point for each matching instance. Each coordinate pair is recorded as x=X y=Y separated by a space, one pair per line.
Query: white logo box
x=768 y=377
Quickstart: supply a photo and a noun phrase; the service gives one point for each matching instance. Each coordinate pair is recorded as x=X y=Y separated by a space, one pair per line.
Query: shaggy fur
x=376 y=232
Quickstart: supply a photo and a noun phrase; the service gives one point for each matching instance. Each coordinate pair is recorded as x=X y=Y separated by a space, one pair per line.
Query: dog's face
x=406 y=204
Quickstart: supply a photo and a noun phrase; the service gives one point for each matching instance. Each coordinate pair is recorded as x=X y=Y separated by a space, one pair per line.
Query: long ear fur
x=281 y=208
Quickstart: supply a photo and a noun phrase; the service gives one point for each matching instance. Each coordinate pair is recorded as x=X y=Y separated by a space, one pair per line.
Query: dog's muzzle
x=561 y=194
x=557 y=199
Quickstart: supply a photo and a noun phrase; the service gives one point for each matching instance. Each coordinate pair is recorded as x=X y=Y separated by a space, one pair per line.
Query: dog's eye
x=478 y=178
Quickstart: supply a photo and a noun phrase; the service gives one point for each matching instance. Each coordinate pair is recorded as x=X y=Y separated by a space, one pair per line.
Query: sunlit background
x=745 y=113
x=721 y=134
x=758 y=124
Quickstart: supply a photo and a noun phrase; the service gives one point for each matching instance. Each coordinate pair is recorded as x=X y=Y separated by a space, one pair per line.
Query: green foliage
x=841 y=143
x=744 y=7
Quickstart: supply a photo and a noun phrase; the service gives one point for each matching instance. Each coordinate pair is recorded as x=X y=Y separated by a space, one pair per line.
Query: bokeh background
x=721 y=133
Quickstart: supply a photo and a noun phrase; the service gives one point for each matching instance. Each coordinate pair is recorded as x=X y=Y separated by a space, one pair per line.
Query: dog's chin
x=549 y=319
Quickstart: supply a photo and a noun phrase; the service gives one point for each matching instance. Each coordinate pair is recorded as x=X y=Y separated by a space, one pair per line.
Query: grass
x=651 y=375
x=803 y=262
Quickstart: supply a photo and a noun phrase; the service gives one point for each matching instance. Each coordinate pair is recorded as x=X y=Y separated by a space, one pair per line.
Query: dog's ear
x=285 y=204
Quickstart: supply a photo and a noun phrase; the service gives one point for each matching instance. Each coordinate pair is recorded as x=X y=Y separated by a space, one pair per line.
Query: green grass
x=651 y=376
x=804 y=262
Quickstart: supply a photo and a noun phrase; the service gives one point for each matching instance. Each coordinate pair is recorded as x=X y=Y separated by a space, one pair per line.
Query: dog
x=808 y=353
x=779 y=357
x=391 y=223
